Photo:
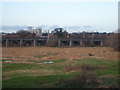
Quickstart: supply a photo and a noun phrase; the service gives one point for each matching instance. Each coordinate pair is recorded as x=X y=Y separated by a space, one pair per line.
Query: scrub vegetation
x=70 y=68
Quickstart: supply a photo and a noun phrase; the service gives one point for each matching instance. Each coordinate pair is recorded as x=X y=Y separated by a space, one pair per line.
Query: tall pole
x=83 y=39
x=92 y=37
x=48 y=38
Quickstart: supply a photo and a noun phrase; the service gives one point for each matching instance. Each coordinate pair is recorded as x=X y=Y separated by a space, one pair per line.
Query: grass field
x=29 y=67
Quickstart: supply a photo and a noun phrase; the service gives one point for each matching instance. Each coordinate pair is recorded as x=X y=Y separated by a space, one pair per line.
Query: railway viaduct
x=44 y=41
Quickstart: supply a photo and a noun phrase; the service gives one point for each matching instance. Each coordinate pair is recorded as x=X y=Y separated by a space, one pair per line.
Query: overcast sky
x=101 y=15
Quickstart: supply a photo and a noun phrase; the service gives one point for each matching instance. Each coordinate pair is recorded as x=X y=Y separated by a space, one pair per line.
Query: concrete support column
x=101 y=43
x=59 y=42
x=91 y=42
x=70 y=43
x=47 y=43
x=6 y=43
x=21 y=42
x=34 y=43
x=39 y=44
x=81 y=43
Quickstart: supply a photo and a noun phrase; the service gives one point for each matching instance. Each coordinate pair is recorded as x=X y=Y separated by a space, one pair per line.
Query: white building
x=38 y=32
x=30 y=28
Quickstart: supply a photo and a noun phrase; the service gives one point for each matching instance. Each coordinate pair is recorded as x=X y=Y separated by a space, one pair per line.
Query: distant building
x=30 y=28
x=38 y=32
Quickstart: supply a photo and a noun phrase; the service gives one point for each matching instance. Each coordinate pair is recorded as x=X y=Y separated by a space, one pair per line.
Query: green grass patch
x=110 y=82
x=56 y=81
x=34 y=61
x=61 y=60
x=33 y=81
x=23 y=66
x=16 y=66
x=7 y=57
x=110 y=69
x=41 y=61
x=47 y=61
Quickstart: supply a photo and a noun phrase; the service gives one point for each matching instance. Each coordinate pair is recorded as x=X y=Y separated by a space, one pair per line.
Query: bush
x=113 y=41
x=83 y=80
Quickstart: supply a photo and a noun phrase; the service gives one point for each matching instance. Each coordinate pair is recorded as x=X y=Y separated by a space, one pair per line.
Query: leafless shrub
x=54 y=40
x=24 y=33
x=113 y=41
x=85 y=79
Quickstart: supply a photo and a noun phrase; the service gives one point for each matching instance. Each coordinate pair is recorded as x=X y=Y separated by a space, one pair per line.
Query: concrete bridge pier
x=81 y=43
x=59 y=43
x=91 y=43
x=21 y=43
x=6 y=42
x=38 y=43
x=70 y=43
x=101 y=43
x=34 y=43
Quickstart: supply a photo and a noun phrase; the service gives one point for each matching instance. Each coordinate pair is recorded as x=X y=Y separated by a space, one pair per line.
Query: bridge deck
x=85 y=39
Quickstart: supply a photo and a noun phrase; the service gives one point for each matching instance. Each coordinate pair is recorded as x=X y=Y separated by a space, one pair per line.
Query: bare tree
x=53 y=41
x=113 y=41
x=57 y=33
x=24 y=33
x=60 y=32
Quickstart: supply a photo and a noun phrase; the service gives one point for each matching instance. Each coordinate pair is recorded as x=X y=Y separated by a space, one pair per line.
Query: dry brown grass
x=52 y=53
